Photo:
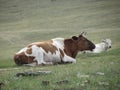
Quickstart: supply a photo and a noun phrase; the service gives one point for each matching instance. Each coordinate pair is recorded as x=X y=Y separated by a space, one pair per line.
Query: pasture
x=26 y=21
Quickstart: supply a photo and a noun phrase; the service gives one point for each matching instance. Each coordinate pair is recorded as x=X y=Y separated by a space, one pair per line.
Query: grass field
x=26 y=21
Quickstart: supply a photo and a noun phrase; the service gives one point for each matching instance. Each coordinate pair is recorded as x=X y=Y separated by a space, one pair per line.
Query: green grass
x=26 y=21
x=87 y=64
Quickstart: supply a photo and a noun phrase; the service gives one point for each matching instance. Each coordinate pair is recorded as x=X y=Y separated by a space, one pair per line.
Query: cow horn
x=83 y=33
x=103 y=40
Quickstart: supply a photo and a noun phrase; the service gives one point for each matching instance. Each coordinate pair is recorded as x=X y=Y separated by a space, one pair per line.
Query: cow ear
x=103 y=40
x=74 y=37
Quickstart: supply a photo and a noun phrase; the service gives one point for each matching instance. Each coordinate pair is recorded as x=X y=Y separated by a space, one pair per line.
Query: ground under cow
x=58 y=50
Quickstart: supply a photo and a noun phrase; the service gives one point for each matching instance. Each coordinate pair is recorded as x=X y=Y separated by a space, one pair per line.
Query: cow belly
x=54 y=58
x=43 y=57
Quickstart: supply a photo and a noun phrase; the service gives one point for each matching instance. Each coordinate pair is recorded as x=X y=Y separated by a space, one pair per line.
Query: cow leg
x=39 y=57
x=40 y=60
x=68 y=59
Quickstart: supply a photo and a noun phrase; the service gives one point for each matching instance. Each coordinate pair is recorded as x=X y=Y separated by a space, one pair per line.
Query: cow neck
x=70 y=48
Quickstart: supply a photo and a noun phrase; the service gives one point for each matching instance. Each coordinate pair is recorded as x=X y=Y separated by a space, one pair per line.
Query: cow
x=57 y=50
x=101 y=47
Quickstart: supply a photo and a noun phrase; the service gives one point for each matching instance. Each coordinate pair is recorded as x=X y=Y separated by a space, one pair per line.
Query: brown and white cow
x=58 y=50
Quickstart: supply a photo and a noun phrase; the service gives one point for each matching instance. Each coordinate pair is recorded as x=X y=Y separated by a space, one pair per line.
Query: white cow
x=101 y=47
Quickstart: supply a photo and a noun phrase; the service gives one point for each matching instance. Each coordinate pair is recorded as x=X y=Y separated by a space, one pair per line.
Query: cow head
x=108 y=42
x=83 y=43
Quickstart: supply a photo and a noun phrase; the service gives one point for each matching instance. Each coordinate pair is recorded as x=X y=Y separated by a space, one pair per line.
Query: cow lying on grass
x=101 y=47
x=58 y=50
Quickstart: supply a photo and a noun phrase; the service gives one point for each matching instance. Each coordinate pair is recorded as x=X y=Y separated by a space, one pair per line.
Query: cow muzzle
x=92 y=47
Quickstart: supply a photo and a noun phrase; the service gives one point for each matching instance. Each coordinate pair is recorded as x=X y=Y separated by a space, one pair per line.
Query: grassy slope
x=85 y=69
x=26 y=21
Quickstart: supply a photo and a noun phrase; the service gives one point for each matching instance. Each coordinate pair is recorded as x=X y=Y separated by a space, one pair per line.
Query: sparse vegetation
x=26 y=21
